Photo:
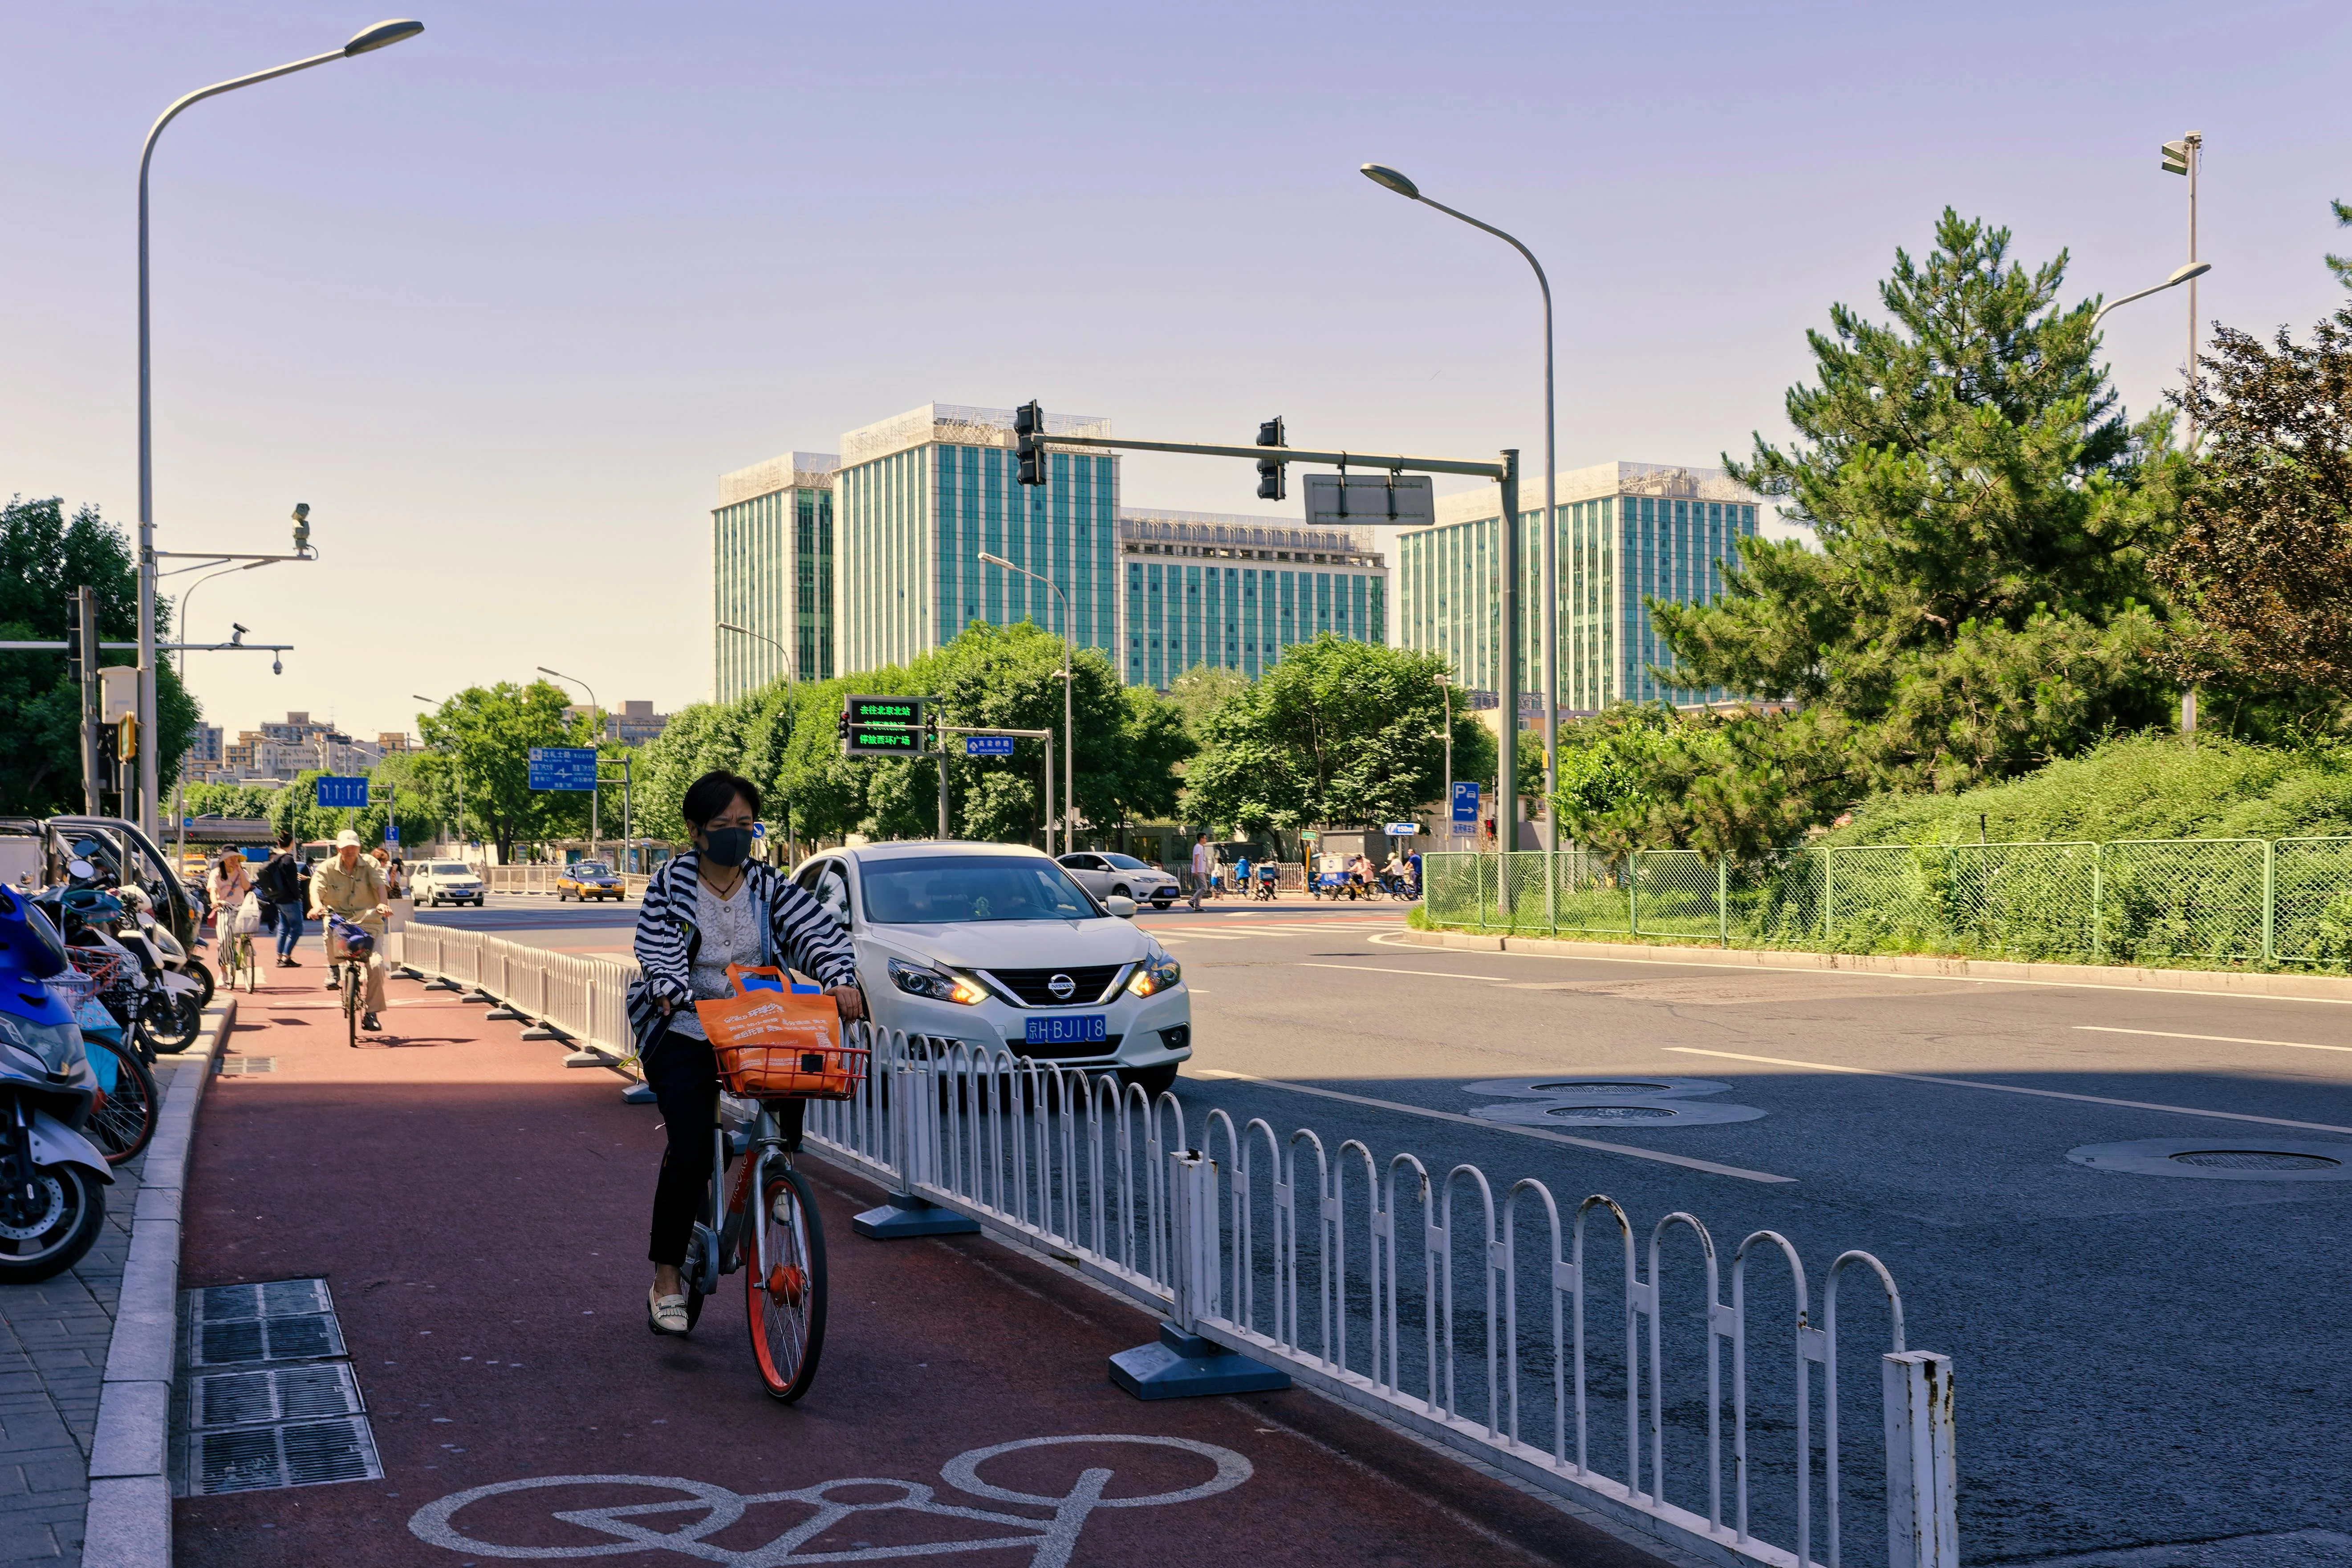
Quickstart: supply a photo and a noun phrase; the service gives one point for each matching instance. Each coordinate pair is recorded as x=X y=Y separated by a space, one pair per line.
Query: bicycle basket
x=94 y=969
x=787 y=1072
x=776 y=1040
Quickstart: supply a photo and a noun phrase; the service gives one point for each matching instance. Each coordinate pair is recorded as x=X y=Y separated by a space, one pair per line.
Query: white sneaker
x=664 y=1314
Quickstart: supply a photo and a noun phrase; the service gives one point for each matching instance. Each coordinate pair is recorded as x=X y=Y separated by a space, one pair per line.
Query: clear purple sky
x=501 y=303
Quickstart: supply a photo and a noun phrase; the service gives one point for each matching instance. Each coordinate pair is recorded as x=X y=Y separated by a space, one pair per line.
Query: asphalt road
x=2142 y=1359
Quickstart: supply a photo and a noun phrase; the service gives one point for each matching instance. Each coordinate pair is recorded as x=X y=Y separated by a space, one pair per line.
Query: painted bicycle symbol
x=1051 y=1540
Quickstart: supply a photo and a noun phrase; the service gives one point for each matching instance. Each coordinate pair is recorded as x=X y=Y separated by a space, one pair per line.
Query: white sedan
x=1110 y=876
x=995 y=945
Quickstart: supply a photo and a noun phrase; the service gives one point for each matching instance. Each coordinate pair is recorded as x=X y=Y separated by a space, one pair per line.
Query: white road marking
x=2217 y=1039
x=2014 y=1089
x=1433 y=973
x=1390 y=941
x=1548 y=1137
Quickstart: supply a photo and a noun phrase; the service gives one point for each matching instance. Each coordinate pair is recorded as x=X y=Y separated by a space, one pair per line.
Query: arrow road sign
x=1465 y=805
x=988 y=745
x=338 y=790
x=563 y=767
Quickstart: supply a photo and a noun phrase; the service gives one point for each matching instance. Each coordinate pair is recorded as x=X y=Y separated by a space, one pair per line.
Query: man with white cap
x=348 y=884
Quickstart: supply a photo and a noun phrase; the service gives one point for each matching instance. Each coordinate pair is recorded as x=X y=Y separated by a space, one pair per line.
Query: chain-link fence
x=2194 y=902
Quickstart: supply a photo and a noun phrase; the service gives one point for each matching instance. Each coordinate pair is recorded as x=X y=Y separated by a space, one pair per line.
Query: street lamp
x=1445 y=805
x=457 y=765
x=2182 y=275
x=1069 y=736
x=762 y=637
x=595 y=790
x=376 y=37
x=1507 y=833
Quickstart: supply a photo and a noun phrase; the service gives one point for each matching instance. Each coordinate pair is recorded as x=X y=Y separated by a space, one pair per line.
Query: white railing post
x=914 y=1093
x=1922 y=1484
x=1180 y=1363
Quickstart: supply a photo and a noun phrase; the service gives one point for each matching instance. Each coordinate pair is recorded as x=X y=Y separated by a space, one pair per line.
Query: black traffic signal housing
x=842 y=728
x=1271 y=476
x=74 y=671
x=1029 y=442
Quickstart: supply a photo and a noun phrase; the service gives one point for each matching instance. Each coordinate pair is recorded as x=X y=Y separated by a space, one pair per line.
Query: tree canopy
x=480 y=738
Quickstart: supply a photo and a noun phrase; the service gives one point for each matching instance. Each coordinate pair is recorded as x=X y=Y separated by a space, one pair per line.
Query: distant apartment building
x=278 y=752
x=633 y=724
x=920 y=496
x=1232 y=593
x=771 y=552
x=1627 y=532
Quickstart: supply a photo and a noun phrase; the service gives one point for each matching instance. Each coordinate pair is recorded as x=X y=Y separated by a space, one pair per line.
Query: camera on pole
x=1271 y=474
x=1029 y=442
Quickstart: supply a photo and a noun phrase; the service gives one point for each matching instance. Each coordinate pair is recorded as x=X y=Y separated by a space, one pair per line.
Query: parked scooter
x=176 y=1006
x=53 y=1180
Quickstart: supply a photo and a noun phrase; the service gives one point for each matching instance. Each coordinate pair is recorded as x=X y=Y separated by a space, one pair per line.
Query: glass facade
x=1615 y=551
x=771 y=572
x=1233 y=592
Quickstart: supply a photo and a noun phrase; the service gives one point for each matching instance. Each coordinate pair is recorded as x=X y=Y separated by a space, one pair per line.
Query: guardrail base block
x=506 y=1013
x=584 y=1057
x=541 y=1032
x=442 y=986
x=638 y=1094
x=1178 y=1365
x=905 y=1214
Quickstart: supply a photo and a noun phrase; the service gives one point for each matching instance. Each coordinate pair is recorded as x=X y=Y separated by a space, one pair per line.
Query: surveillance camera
x=236 y=632
x=302 y=511
x=274 y=667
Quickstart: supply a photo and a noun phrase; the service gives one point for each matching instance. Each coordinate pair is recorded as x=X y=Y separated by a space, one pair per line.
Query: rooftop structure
x=1239 y=590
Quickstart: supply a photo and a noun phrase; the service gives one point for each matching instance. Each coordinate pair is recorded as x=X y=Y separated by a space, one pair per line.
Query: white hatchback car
x=1107 y=875
x=994 y=944
x=437 y=882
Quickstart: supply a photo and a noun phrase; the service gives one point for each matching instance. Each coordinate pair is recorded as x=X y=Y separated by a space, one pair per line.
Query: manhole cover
x=2256 y=1160
x=1561 y=1087
x=1611 y=1112
x=2285 y=1159
x=1659 y=1112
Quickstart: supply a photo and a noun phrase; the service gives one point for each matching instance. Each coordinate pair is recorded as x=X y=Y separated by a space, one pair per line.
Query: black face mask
x=727 y=846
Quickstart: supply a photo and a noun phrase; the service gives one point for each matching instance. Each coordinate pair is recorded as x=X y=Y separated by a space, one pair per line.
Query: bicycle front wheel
x=351 y=1006
x=122 y=1124
x=786 y=1304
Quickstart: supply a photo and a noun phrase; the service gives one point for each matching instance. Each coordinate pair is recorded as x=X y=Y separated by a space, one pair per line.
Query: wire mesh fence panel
x=2311 y=902
x=2182 y=899
x=1674 y=894
x=2030 y=900
x=1778 y=902
x=1594 y=897
x=1876 y=897
x=1450 y=887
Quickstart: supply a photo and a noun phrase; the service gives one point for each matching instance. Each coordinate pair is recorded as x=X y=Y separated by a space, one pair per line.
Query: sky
x=501 y=303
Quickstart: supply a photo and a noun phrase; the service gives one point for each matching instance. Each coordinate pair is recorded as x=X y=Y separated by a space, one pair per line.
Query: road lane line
x=1433 y=973
x=2217 y=1039
x=1686 y=1160
x=2014 y=1089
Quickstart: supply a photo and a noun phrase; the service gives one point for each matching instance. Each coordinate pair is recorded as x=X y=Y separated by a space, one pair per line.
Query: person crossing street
x=1203 y=858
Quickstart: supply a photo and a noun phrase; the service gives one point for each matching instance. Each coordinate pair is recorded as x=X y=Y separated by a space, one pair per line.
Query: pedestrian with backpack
x=280 y=882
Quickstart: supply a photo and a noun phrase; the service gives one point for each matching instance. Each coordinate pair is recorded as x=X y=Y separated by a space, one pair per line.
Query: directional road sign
x=563 y=767
x=1465 y=805
x=988 y=745
x=1403 y=829
x=335 y=790
x=881 y=726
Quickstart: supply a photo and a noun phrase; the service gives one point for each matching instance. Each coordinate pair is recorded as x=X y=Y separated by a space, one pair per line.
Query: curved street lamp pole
x=595 y=717
x=1069 y=736
x=792 y=844
x=1507 y=834
x=375 y=37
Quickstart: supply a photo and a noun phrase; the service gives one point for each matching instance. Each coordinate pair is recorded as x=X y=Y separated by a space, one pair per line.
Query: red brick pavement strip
x=480 y=1213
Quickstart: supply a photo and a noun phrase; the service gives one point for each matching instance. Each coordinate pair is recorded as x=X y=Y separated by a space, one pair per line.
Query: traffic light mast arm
x=1492 y=470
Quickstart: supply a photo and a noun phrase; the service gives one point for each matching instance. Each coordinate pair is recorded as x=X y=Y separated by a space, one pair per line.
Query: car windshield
x=1126 y=863
x=589 y=869
x=450 y=868
x=959 y=890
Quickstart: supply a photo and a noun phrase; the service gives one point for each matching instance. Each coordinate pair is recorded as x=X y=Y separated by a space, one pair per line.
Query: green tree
x=1339 y=732
x=484 y=735
x=43 y=557
x=1200 y=690
x=2342 y=265
x=1979 y=599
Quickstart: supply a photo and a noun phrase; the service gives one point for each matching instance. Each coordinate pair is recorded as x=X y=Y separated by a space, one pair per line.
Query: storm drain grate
x=245 y=1067
x=2255 y=1160
x=269 y=1298
x=298 y=1454
x=287 y=1393
x=267 y=1339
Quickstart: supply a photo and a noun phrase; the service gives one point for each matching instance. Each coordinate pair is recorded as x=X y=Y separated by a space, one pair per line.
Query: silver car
x=993 y=944
x=1107 y=875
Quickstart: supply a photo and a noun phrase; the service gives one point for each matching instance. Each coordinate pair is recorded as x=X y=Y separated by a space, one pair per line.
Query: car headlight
x=1156 y=974
x=57 y=1046
x=919 y=980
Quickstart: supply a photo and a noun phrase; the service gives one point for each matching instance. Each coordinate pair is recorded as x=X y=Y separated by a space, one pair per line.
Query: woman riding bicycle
x=703 y=911
x=226 y=886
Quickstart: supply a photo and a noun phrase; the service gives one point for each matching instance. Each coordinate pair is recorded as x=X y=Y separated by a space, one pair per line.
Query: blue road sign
x=1403 y=829
x=563 y=767
x=988 y=745
x=1465 y=805
x=391 y=832
x=335 y=790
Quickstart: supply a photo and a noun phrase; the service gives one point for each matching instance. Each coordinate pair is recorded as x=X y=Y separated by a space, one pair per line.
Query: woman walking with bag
x=703 y=911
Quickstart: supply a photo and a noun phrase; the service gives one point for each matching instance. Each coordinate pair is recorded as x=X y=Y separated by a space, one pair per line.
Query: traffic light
x=842 y=729
x=1271 y=474
x=1028 y=434
x=2177 y=155
x=74 y=671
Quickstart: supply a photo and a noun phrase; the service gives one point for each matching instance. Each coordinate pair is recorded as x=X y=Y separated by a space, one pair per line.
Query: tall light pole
x=595 y=787
x=791 y=846
x=1446 y=690
x=376 y=37
x=457 y=765
x=1069 y=736
x=1507 y=834
x=2182 y=157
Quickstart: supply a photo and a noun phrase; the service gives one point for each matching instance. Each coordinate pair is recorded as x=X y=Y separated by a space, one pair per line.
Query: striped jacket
x=801 y=933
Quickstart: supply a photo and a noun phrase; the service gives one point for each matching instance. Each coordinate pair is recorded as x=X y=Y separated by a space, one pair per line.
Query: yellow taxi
x=586 y=880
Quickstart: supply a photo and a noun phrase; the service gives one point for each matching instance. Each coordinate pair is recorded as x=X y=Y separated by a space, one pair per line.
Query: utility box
x=117 y=692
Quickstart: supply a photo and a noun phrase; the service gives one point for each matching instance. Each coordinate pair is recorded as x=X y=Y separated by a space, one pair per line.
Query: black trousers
x=684 y=1076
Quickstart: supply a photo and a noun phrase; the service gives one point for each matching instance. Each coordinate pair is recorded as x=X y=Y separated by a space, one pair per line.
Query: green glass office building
x=771 y=563
x=1232 y=593
x=921 y=495
x=1627 y=532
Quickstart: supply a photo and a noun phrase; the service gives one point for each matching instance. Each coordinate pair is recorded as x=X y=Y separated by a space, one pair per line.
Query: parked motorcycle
x=53 y=1180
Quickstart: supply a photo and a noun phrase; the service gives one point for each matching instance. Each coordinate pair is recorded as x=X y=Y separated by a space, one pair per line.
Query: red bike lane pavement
x=479 y=1214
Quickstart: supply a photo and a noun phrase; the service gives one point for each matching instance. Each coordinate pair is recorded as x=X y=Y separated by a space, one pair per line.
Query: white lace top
x=731 y=934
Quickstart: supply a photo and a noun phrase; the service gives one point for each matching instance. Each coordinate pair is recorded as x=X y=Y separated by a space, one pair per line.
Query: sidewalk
x=478 y=1214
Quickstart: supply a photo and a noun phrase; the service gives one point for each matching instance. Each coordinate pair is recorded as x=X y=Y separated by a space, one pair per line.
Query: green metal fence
x=2195 y=903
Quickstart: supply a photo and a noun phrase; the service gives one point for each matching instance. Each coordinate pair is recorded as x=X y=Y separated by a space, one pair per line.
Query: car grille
x=1069 y=1050
x=1087 y=983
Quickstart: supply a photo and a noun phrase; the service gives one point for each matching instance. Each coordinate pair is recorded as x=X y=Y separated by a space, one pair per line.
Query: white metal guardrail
x=1501 y=1324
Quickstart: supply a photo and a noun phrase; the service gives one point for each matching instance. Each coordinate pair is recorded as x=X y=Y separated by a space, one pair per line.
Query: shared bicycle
x=349 y=947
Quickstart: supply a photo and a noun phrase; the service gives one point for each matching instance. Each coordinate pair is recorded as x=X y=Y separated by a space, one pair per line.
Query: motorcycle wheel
x=169 y=1024
x=202 y=973
x=61 y=1222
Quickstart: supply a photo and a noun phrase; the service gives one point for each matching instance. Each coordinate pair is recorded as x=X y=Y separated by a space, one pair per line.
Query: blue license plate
x=1083 y=1028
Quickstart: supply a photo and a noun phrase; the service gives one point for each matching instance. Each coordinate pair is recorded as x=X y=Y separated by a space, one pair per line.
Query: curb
x=2111 y=977
x=130 y=1519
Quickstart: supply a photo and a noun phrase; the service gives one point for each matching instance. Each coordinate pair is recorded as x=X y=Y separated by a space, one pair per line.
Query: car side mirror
x=1122 y=906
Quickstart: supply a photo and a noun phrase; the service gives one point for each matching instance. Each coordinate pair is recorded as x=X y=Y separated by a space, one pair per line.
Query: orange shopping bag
x=777 y=1040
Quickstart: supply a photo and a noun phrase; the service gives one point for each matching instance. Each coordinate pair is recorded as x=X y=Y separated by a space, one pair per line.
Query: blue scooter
x=53 y=1180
